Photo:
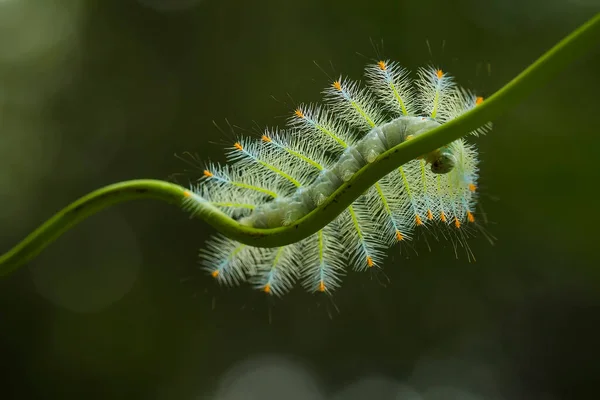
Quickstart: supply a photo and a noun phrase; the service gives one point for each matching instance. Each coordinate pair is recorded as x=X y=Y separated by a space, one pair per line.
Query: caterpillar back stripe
x=277 y=179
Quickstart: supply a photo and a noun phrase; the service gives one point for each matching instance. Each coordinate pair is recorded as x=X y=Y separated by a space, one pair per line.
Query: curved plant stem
x=576 y=44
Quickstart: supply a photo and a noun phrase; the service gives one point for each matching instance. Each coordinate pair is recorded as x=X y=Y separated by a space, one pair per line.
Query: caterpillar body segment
x=282 y=176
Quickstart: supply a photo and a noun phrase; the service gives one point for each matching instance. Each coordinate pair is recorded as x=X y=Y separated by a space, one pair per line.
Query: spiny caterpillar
x=281 y=177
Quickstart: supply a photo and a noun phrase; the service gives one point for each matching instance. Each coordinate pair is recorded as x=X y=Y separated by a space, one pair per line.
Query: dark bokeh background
x=94 y=92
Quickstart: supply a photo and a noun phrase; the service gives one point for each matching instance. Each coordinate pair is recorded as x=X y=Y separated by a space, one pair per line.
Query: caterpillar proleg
x=281 y=177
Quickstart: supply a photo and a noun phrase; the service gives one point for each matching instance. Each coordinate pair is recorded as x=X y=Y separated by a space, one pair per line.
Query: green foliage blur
x=97 y=91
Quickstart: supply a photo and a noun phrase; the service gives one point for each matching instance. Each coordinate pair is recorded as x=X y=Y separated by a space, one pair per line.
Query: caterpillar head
x=443 y=164
x=442 y=160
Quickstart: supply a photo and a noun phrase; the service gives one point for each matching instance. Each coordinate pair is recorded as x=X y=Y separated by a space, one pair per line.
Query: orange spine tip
x=472 y=187
x=337 y=85
x=456 y=222
x=478 y=100
x=207 y=173
x=439 y=73
x=443 y=217
x=418 y=220
x=399 y=236
x=265 y=138
x=429 y=215
x=238 y=146
x=382 y=66
x=321 y=286
x=470 y=216
x=187 y=193
x=267 y=288
x=369 y=261
x=298 y=113
x=215 y=273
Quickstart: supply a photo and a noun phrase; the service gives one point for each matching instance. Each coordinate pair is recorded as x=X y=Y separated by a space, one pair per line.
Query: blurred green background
x=94 y=92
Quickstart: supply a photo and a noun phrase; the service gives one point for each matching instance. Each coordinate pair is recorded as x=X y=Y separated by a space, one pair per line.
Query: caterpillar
x=275 y=180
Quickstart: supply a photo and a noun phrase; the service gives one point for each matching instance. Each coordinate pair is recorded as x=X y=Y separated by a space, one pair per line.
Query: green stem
x=576 y=44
